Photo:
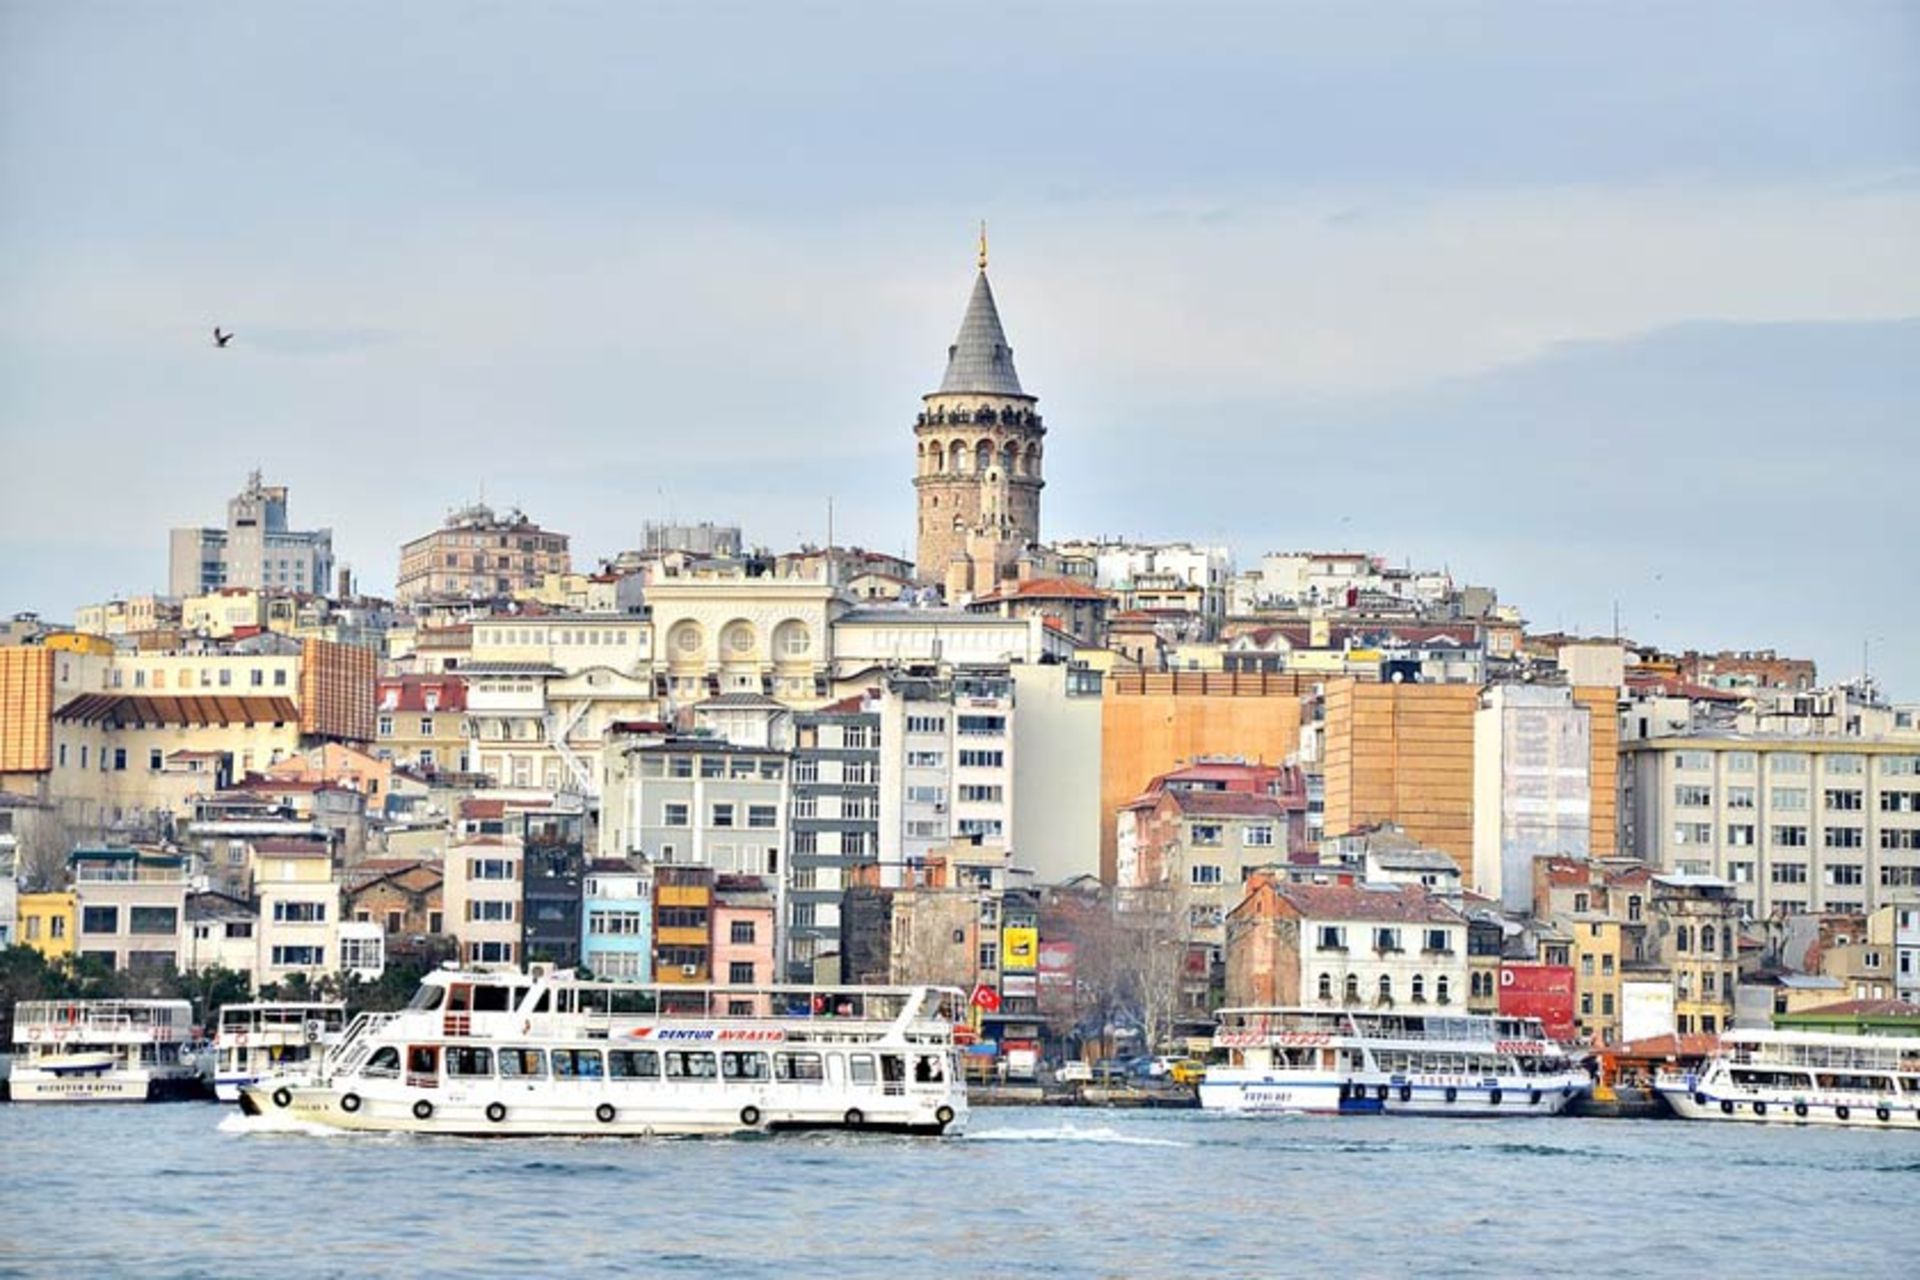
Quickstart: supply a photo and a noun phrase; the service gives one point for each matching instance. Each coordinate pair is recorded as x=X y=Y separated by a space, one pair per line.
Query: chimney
x=344 y=591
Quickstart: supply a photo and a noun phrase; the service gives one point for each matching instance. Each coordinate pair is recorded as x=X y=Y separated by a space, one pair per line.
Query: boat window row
x=474 y=1062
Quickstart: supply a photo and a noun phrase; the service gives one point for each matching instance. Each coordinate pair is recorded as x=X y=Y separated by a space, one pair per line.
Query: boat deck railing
x=164 y=1020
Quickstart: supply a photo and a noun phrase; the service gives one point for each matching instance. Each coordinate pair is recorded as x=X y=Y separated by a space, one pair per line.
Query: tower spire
x=983 y=244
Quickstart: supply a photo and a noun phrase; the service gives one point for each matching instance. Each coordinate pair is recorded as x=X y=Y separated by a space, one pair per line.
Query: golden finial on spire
x=983 y=244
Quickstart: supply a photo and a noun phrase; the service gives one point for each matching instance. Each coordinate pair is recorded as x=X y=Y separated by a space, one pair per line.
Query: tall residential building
x=1794 y=824
x=479 y=554
x=1532 y=786
x=946 y=765
x=978 y=458
x=255 y=549
x=836 y=826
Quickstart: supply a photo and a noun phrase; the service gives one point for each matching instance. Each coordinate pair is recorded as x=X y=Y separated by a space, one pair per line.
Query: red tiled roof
x=1668 y=1046
x=1042 y=589
x=1864 y=1009
x=475 y=810
x=1227 y=804
x=186 y=709
x=409 y=693
x=1407 y=904
x=287 y=847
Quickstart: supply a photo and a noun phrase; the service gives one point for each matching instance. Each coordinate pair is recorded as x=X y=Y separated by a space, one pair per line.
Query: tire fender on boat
x=604 y=1113
x=750 y=1116
x=1494 y=1097
x=1883 y=1114
x=1726 y=1106
x=349 y=1102
x=1533 y=1098
x=1453 y=1094
x=1842 y=1112
x=423 y=1110
x=1800 y=1109
x=1406 y=1093
x=496 y=1111
x=1759 y=1108
x=943 y=1116
x=855 y=1117
x=283 y=1097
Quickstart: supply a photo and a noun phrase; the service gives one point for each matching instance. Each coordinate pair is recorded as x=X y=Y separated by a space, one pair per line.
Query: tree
x=45 y=842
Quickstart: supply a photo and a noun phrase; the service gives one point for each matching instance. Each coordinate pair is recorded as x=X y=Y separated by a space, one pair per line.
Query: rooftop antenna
x=983 y=244
x=829 y=539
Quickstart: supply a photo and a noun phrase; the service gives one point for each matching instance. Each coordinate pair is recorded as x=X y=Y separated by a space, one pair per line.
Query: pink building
x=743 y=927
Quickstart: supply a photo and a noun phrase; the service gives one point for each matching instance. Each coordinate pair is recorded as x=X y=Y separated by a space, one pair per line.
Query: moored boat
x=102 y=1051
x=1345 y=1062
x=504 y=1053
x=1802 y=1077
x=258 y=1040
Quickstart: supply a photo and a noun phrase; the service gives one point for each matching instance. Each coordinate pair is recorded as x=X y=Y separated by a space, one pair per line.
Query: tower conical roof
x=980 y=361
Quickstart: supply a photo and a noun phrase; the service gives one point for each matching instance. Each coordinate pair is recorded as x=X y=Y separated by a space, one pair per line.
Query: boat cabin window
x=423 y=1061
x=743 y=1066
x=929 y=1069
x=802 y=1067
x=633 y=1064
x=459 y=998
x=687 y=1065
x=576 y=1064
x=523 y=1063
x=384 y=1062
x=490 y=999
x=468 y=1063
x=860 y=1068
x=427 y=997
x=541 y=1005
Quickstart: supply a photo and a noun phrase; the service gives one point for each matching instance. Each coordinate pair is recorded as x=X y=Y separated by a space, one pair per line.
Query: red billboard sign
x=1543 y=991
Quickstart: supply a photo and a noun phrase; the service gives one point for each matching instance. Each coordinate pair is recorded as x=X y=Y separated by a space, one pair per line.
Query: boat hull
x=367 y=1107
x=1321 y=1093
x=1779 y=1107
x=33 y=1085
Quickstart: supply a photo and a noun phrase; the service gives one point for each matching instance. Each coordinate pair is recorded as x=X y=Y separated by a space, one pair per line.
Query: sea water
x=197 y=1190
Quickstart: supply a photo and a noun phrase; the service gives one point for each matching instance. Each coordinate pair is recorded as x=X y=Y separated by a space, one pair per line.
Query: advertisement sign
x=1056 y=974
x=1020 y=984
x=1019 y=949
x=1646 y=1010
x=1543 y=991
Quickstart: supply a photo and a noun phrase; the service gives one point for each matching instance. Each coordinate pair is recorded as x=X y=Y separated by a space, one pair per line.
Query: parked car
x=1187 y=1071
x=1075 y=1072
x=1111 y=1071
x=1159 y=1067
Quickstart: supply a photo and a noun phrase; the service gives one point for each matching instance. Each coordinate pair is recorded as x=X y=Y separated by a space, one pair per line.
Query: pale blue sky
x=1588 y=302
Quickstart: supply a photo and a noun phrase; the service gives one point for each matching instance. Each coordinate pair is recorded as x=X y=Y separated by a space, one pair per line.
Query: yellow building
x=1599 y=953
x=221 y=613
x=46 y=923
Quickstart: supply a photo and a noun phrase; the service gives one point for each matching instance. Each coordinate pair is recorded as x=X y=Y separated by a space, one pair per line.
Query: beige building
x=298 y=896
x=1821 y=825
x=130 y=907
x=478 y=554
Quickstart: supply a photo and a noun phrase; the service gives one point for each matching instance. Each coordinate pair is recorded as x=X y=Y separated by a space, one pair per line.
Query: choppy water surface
x=195 y=1190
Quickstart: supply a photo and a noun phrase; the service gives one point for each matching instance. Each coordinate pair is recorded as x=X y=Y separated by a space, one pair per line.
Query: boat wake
x=1101 y=1135
x=244 y=1124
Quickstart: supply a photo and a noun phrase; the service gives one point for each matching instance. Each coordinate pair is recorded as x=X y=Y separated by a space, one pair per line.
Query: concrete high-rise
x=256 y=549
x=978 y=458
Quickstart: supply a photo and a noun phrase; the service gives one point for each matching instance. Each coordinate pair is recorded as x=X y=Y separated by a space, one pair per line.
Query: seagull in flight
x=221 y=339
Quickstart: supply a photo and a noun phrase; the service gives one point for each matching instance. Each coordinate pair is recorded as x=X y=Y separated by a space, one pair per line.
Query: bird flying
x=221 y=339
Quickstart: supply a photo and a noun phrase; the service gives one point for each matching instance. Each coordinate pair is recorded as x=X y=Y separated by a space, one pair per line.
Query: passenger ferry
x=102 y=1051
x=1340 y=1062
x=1803 y=1077
x=548 y=1053
x=256 y=1040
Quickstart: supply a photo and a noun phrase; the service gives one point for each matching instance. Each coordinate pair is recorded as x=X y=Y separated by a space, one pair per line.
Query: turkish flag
x=985 y=997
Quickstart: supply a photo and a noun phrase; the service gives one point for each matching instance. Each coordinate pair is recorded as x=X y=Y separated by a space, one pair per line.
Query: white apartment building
x=1532 y=757
x=1795 y=825
x=298 y=896
x=1122 y=567
x=946 y=764
x=484 y=894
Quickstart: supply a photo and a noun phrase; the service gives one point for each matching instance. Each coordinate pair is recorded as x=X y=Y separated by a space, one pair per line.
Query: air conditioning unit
x=689 y=970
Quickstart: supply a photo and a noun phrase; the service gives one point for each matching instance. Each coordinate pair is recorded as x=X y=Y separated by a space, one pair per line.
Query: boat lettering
x=731 y=1035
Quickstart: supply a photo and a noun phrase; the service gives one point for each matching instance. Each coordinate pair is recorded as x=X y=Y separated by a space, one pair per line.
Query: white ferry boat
x=102 y=1051
x=1339 y=1062
x=547 y=1053
x=257 y=1040
x=1802 y=1077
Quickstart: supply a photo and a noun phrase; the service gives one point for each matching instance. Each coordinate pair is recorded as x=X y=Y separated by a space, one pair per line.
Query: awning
x=120 y=710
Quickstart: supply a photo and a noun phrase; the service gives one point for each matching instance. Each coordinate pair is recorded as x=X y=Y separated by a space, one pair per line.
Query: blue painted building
x=616 y=920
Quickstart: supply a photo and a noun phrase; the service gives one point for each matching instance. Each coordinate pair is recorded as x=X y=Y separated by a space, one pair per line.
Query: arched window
x=1419 y=988
x=1386 y=989
x=1010 y=459
x=1706 y=938
x=1442 y=990
x=1726 y=939
x=1326 y=988
x=983 y=456
x=956 y=457
x=1353 y=988
x=1682 y=938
